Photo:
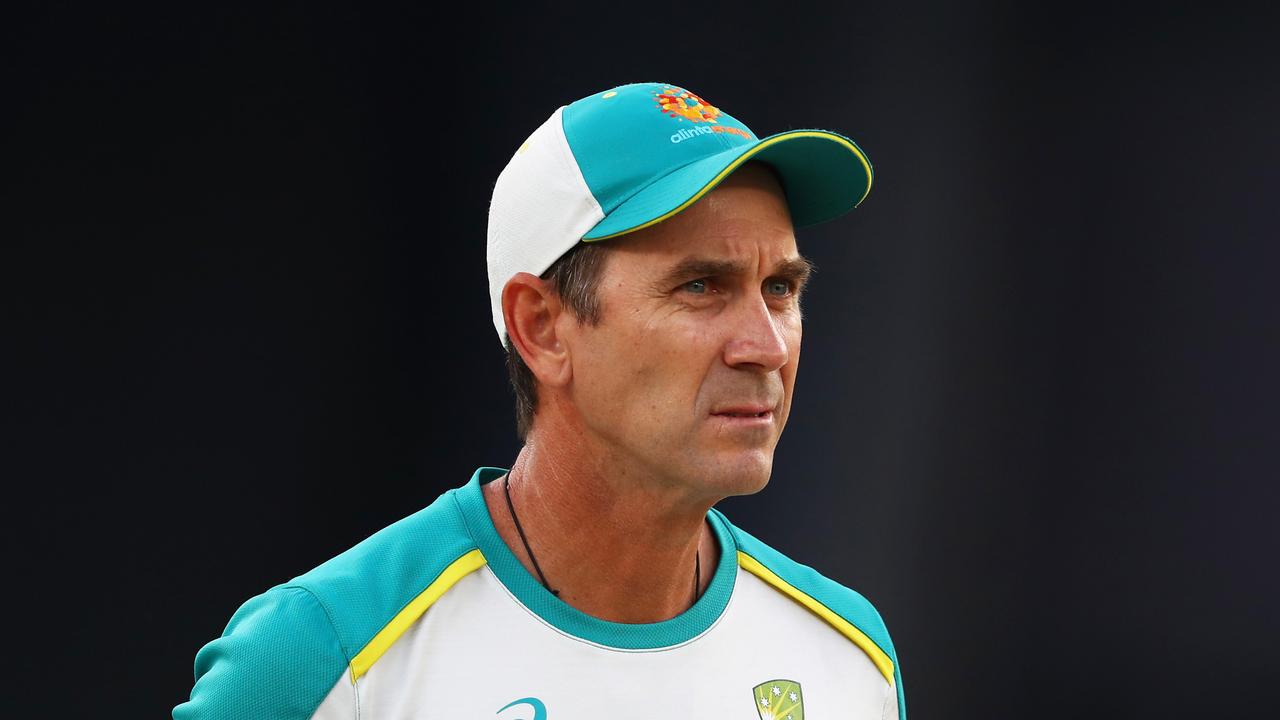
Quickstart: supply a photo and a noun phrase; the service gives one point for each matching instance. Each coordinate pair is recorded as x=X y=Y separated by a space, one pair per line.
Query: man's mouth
x=744 y=411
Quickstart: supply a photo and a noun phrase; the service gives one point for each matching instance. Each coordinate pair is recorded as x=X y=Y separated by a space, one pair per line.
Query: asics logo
x=539 y=710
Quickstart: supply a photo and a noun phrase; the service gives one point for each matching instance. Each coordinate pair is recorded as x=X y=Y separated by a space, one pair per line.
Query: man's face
x=689 y=374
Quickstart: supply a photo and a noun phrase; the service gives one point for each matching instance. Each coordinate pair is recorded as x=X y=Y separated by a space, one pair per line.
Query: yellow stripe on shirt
x=392 y=631
x=882 y=661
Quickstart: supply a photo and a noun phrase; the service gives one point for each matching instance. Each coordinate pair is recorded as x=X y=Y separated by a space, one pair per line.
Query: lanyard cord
x=506 y=487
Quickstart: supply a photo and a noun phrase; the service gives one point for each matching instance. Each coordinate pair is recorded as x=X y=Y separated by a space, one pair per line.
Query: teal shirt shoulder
x=283 y=651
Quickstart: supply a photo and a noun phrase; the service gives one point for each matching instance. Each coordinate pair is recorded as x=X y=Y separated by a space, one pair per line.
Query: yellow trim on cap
x=742 y=159
x=868 y=646
x=392 y=631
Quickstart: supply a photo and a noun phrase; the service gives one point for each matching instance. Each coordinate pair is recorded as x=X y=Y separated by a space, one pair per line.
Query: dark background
x=1036 y=422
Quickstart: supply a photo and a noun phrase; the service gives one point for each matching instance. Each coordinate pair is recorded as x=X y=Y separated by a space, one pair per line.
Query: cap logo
x=682 y=104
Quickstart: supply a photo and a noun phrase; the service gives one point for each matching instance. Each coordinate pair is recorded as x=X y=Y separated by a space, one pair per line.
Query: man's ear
x=530 y=310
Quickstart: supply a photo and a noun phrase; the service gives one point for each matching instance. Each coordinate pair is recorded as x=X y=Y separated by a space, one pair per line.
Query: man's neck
x=615 y=547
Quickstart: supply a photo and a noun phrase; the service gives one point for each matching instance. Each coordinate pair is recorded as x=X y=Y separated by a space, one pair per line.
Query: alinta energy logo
x=683 y=105
x=676 y=102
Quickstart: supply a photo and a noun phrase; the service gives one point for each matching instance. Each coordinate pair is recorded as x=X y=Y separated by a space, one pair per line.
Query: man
x=645 y=280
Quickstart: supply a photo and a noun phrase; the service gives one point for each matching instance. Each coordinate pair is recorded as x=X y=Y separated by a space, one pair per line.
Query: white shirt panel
x=341 y=702
x=478 y=648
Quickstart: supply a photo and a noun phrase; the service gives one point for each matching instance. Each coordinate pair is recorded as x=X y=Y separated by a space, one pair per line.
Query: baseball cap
x=626 y=158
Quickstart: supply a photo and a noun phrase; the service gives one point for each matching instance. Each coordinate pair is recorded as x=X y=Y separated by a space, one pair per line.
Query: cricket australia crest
x=779 y=700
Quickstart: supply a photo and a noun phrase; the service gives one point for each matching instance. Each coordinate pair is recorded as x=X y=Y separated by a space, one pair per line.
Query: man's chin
x=741 y=473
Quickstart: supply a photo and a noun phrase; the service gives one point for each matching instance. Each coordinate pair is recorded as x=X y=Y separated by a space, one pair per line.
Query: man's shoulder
x=284 y=649
x=364 y=587
x=844 y=608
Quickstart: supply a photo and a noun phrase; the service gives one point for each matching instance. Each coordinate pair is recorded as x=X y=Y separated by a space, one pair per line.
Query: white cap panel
x=541 y=208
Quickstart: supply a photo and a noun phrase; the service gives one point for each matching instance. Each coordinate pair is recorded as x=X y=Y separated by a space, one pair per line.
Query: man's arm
x=278 y=658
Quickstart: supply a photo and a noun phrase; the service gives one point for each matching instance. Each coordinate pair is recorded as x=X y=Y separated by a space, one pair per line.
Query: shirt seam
x=333 y=627
x=612 y=648
x=328 y=616
x=466 y=521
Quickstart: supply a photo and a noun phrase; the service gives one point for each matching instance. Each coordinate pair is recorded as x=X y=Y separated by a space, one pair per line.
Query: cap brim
x=824 y=174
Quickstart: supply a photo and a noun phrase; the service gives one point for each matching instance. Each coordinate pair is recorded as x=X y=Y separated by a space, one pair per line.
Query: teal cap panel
x=649 y=150
x=625 y=138
x=824 y=175
x=278 y=658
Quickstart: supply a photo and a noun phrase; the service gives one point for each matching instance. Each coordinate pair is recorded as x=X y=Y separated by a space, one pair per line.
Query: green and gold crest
x=779 y=700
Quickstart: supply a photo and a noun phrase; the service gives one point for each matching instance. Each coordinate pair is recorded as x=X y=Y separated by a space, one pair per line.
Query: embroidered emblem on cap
x=682 y=104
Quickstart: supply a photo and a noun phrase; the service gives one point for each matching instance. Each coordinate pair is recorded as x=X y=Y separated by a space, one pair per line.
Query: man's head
x=574 y=277
x=684 y=359
x=612 y=199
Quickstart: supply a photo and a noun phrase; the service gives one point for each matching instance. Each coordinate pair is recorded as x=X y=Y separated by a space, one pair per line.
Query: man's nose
x=756 y=337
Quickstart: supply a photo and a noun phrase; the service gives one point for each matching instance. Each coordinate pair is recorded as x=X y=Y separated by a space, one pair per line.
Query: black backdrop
x=1036 y=417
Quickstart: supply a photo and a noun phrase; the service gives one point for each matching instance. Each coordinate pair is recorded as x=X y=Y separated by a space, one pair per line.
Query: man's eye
x=779 y=287
x=696 y=286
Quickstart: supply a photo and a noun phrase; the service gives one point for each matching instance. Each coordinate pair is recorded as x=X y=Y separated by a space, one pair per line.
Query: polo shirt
x=435 y=617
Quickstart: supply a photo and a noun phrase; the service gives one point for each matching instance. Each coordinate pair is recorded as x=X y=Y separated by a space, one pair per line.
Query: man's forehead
x=743 y=243
x=726 y=239
x=719 y=254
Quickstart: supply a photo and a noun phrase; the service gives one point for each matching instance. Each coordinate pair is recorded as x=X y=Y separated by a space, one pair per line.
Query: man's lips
x=744 y=411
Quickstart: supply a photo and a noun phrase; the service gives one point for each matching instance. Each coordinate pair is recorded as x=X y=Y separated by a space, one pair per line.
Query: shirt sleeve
x=278 y=658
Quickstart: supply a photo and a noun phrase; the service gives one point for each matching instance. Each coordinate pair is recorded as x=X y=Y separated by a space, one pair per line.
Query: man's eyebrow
x=797 y=269
x=696 y=267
